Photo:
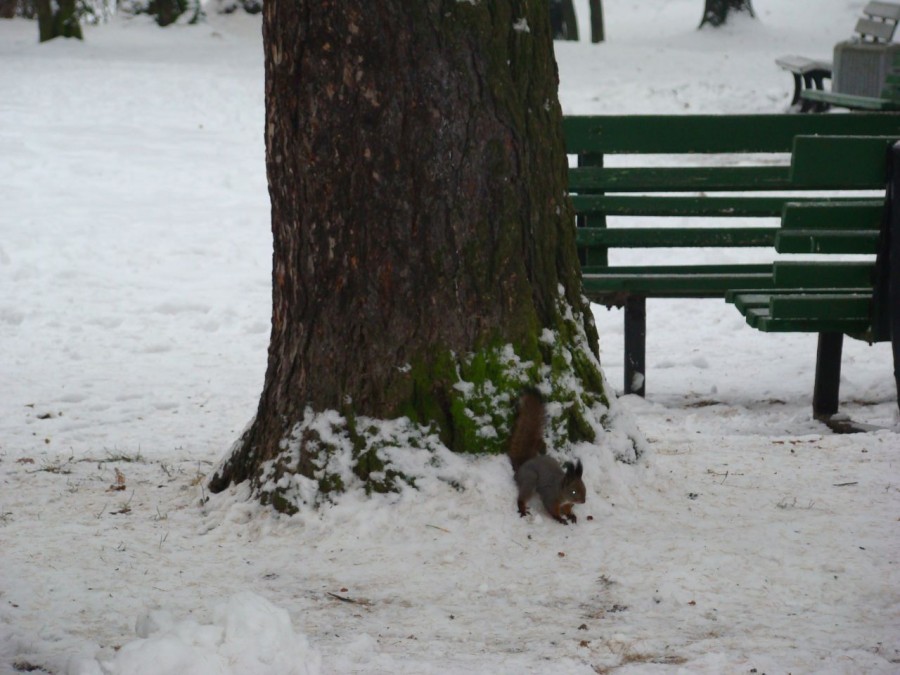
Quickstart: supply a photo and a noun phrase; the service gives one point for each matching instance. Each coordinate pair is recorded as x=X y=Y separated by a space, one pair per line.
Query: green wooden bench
x=792 y=183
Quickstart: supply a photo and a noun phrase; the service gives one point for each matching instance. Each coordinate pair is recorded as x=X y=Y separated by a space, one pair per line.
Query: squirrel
x=560 y=487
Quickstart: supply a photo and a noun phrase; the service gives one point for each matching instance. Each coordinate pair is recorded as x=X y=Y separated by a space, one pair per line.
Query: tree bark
x=597 y=32
x=59 y=19
x=563 y=21
x=424 y=260
x=570 y=20
x=8 y=8
x=716 y=12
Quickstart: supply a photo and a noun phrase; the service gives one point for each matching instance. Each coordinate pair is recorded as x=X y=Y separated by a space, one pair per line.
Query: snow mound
x=248 y=635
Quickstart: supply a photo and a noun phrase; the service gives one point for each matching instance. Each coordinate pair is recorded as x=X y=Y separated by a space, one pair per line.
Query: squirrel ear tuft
x=573 y=470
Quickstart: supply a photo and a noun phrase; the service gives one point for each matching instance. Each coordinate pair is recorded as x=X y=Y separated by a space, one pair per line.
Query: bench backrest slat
x=658 y=134
x=861 y=214
x=881 y=31
x=789 y=274
x=700 y=206
x=828 y=241
x=670 y=237
x=841 y=162
x=888 y=11
x=669 y=179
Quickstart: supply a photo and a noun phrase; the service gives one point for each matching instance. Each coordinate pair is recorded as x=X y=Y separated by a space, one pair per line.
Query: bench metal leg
x=635 y=344
x=798 y=87
x=828 y=375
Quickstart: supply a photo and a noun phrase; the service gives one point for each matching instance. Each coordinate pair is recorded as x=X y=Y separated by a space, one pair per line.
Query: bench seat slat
x=665 y=237
x=803 y=65
x=827 y=241
x=774 y=311
x=850 y=100
x=762 y=321
x=752 y=296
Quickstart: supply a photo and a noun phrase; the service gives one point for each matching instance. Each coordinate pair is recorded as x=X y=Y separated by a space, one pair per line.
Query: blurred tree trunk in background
x=597 y=32
x=716 y=12
x=58 y=18
x=423 y=239
x=8 y=8
x=563 y=21
x=167 y=11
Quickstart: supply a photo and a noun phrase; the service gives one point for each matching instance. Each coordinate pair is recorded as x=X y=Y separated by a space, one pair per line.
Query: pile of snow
x=247 y=634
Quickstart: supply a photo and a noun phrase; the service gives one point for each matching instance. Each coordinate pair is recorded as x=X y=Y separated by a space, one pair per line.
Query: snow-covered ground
x=134 y=318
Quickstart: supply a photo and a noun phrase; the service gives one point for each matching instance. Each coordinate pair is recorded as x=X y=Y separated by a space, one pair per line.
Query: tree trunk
x=424 y=258
x=570 y=20
x=716 y=12
x=58 y=19
x=8 y=8
x=597 y=32
x=563 y=21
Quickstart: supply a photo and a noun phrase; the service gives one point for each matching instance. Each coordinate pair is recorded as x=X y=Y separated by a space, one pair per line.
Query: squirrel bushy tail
x=527 y=438
x=559 y=487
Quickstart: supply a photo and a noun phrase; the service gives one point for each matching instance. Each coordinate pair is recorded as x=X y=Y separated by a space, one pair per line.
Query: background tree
x=231 y=6
x=563 y=20
x=8 y=8
x=165 y=12
x=716 y=12
x=597 y=32
x=424 y=259
x=58 y=18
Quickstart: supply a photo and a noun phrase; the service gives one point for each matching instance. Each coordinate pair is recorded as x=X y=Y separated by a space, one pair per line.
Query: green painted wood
x=760 y=320
x=728 y=207
x=850 y=100
x=674 y=281
x=595 y=255
x=827 y=241
x=841 y=162
x=823 y=274
x=807 y=296
x=734 y=295
x=662 y=237
x=746 y=301
x=845 y=306
x=863 y=215
x=661 y=134
x=680 y=179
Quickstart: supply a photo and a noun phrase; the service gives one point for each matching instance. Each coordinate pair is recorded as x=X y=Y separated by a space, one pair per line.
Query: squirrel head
x=573 y=490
